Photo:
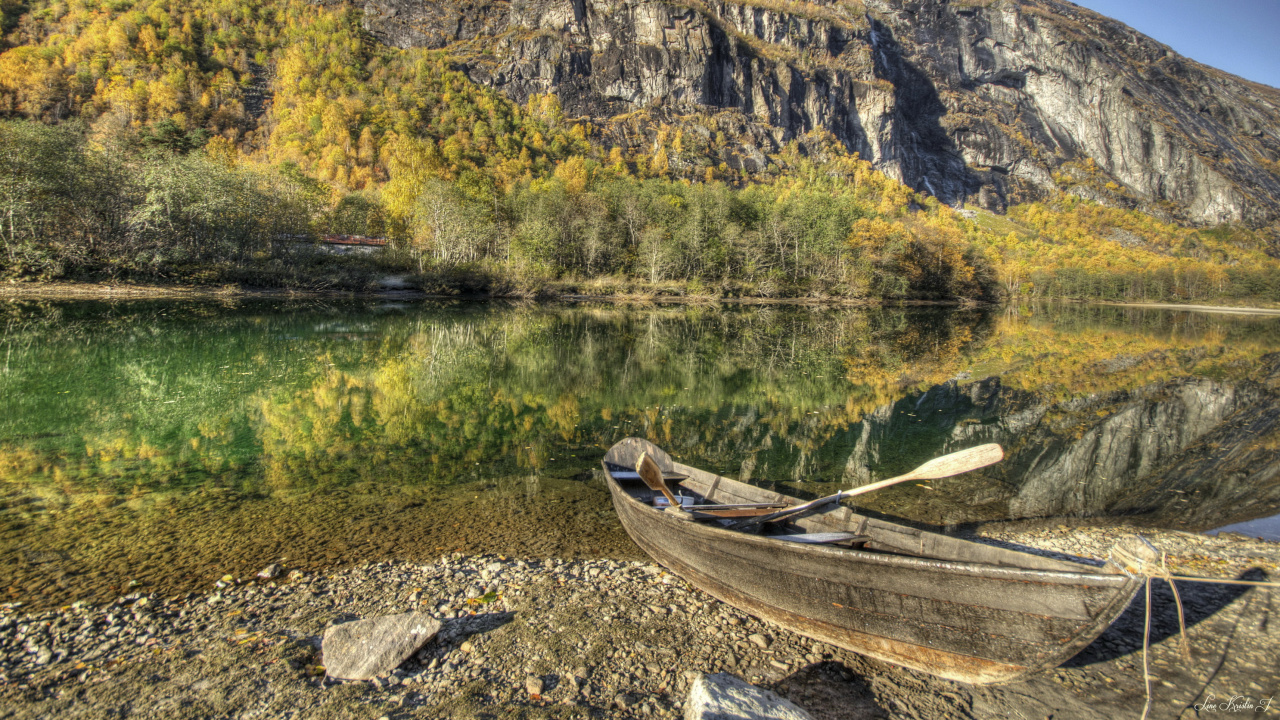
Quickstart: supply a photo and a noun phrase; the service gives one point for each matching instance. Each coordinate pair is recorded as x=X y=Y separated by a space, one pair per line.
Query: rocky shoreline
x=554 y=292
x=548 y=638
x=69 y=290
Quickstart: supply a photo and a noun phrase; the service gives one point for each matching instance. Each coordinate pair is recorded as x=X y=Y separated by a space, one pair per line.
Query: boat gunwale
x=990 y=570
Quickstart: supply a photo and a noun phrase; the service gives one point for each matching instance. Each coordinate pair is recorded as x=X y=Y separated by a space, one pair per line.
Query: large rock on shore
x=367 y=648
x=724 y=697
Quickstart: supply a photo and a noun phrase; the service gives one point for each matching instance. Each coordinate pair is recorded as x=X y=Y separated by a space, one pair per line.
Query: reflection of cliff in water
x=1096 y=404
x=1193 y=452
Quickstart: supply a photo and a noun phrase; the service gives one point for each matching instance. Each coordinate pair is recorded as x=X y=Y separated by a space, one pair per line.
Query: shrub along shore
x=207 y=143
x=633 y=293
x=83 y=206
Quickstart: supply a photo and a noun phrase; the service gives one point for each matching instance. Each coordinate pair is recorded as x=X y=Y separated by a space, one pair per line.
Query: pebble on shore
x=547 y=638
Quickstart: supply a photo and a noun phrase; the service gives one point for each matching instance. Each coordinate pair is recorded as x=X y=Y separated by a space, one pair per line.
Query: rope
x=1140 y=560
x=1225 y=581
x=1146 y=630
x=1136 y=556
x=1146 y=642
x=1177 y=598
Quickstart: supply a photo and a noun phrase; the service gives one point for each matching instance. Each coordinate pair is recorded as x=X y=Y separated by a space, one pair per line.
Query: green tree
x=448 y=227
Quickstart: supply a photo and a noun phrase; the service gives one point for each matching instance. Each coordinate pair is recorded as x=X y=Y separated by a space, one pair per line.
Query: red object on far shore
x=353 y=240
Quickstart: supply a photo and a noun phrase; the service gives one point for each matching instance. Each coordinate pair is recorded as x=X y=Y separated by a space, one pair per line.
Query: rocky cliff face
x=987 y=101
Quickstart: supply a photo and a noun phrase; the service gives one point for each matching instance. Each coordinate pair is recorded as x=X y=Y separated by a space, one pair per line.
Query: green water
x=160 y=444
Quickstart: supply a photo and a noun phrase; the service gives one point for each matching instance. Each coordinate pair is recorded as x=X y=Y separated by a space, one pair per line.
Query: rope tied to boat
x=1137 y=557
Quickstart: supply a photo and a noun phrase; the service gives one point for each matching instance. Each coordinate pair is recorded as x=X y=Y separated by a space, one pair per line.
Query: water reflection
x=167 y=415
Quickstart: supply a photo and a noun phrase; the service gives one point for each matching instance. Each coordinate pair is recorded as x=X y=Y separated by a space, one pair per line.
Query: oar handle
x=786 y=512
x=877 y=485
x=945 y=466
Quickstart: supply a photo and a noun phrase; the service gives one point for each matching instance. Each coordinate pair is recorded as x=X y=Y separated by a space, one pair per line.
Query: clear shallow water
x=1267 y=528
x=162 y=444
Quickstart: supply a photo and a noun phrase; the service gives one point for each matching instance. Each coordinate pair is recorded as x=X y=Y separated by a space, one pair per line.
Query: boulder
x=362 y=649
x=725 y=697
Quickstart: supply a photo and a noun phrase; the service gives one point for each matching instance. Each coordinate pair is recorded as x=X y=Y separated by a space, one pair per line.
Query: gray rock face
x=366 y=648
x=724 y=697
x=973 y=101
x=1031 y=85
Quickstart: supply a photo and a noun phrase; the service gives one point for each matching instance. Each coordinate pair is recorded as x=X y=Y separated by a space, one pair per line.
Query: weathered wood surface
x=810 y=538
x=651 y=474
x=950 y=607
x=742 y=506
x=730 y=513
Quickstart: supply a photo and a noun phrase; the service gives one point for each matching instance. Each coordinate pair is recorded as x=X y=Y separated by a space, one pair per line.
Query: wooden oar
x=739 y=506
x=945 y=466
x=651 y=474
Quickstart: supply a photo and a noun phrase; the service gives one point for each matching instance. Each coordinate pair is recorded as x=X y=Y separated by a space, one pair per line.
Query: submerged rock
x=724 y=697
x=362 y=649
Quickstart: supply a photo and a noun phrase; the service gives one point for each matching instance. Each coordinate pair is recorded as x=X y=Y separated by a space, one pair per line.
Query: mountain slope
x=986 y=101
x=705 y=145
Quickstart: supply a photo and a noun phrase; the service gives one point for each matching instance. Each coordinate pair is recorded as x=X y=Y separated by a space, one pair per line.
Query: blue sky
x=1239 y=36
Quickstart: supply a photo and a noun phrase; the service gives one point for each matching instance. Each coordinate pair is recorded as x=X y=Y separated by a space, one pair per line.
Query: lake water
x=158 y=445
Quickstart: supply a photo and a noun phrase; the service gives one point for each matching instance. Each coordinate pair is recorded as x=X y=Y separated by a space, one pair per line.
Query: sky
x=1239 y=36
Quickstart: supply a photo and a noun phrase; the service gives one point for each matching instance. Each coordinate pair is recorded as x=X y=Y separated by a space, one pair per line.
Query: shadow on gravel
x=1200 y=600
x=459 y=629
x=830 y=691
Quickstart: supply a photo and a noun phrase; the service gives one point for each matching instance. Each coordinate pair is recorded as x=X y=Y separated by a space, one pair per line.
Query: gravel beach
x=548 y=638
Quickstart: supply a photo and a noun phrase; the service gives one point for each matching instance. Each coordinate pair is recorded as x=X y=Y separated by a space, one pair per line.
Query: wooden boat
x=950 y=607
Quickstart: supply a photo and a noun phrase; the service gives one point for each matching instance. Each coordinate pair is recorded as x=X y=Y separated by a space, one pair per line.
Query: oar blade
x=959 y=462
x=650 y=473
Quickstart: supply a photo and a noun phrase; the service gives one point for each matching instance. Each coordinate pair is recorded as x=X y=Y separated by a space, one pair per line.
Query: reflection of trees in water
x=519 y=387
x=333 y=395
x=327 y=396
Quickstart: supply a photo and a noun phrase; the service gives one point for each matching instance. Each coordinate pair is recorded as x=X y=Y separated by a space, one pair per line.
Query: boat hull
x=972 y=622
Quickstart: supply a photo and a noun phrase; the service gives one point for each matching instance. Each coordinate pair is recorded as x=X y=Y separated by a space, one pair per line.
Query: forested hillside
x=201 y=140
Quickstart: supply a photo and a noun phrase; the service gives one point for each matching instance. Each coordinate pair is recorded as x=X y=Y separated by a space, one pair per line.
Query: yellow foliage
x=574 y=174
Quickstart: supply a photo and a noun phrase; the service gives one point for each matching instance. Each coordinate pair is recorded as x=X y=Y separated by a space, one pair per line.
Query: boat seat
x=823 y=538
x=732 y=512
x=632 y=475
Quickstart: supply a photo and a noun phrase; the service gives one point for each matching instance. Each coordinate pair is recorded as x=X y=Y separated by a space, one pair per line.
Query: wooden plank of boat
x=818 y=538
x=632 y=475
x=703 y=513
x=740 y=506
x=943 y=605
